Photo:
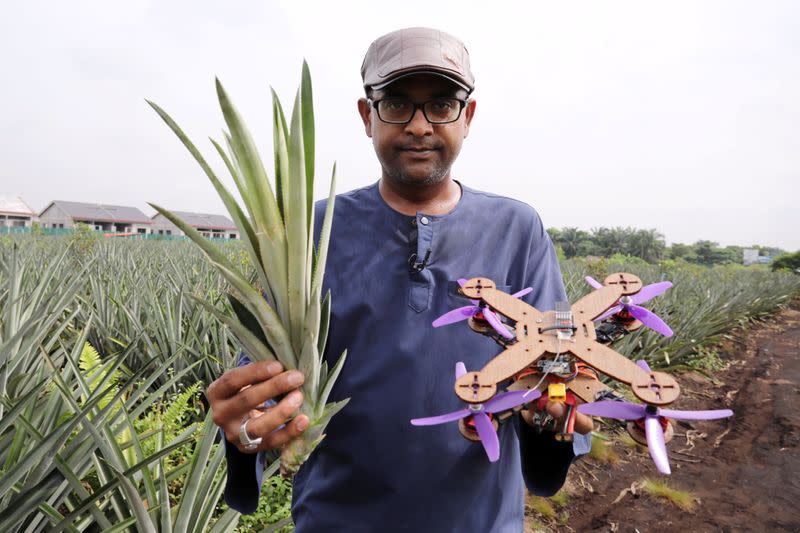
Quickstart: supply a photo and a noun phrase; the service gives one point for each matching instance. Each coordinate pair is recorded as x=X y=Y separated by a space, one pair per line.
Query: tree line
x=647 y=244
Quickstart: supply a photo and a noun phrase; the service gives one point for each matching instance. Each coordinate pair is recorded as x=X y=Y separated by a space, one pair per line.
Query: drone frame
x=536 y=338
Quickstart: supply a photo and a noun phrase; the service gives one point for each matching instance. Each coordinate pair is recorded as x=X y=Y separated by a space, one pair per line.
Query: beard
x=436 y=175
x=437 y=172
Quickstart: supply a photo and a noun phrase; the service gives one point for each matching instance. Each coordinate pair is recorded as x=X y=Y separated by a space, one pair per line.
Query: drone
x=557 y=356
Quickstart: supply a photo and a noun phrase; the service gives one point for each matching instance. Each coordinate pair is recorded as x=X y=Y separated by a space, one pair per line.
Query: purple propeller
x=652 y=416
x=463 y=313
x=478 y=412
x=632 y=304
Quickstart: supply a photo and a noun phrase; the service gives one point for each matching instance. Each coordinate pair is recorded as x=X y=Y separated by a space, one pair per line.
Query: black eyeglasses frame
x=420 y=106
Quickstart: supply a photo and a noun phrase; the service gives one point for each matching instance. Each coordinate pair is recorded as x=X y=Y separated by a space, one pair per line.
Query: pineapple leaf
x=254 y=348
x=280 y=136
x=296 y=229
x=309 y=364
x=143 y=522
x=331 y=409
x=334 y=374
x=325 y=320
x=323 y=375
x=269 y=224
x=324 y=239
x=252 y=168
x=307 y=121
x=247 y=319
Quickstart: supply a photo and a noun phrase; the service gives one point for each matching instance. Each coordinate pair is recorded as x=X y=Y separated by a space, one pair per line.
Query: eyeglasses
x=401 y=110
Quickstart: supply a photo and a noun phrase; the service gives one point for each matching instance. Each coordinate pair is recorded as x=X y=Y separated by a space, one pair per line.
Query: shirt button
x=424 y=221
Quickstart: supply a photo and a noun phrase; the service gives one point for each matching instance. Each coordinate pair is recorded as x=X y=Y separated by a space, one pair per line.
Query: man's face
x=417 y=153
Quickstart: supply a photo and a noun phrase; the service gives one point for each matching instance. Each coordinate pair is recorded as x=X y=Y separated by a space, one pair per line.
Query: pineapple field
x=106 y=347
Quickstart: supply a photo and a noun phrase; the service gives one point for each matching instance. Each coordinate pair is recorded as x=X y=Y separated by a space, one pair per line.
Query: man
x=397 y=250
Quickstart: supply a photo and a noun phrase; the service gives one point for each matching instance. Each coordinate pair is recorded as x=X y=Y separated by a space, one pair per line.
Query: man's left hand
x=558 y=410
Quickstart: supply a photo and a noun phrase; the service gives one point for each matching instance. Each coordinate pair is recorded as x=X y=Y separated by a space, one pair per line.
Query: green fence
x=19 y=230
x=15 y=230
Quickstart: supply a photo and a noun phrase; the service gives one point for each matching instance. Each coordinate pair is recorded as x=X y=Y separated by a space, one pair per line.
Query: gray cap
x=413 y=51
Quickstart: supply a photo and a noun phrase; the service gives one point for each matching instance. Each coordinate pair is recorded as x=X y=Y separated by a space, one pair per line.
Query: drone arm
x=510 y=362
x=609 y=362
x=656 y=388
x=596 y=302
x=587 y=389
x=507 y=305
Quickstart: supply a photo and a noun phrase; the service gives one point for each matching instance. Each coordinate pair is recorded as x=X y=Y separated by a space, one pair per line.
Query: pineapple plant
x=282 y=315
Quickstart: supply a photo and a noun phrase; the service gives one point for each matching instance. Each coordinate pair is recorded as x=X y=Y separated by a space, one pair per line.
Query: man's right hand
x=242 y=391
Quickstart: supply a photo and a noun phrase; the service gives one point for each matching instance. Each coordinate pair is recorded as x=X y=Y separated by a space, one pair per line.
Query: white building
x=749 y=256
x=15 y=213
x=101 y=217
x=211 y=226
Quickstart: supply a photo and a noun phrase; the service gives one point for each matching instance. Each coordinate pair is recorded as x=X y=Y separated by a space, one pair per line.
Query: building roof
x=201 y=220
x=14 y=205
x=100 y=212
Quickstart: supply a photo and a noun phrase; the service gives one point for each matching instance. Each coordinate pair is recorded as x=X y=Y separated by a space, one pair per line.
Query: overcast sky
x=679 y=116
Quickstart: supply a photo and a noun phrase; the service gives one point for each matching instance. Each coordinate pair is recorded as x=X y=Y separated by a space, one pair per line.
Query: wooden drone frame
x=655 y=388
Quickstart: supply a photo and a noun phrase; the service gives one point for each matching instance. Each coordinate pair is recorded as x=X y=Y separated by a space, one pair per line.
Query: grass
x=560 y=498
x=536 y=526
x=659 y=488
x=707 y=358
x=542 y=507
x=550 y=509
x=602 y=451
x=627 y=440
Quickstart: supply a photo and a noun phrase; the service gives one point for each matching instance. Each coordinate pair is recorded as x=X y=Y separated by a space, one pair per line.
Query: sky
x=681 y=116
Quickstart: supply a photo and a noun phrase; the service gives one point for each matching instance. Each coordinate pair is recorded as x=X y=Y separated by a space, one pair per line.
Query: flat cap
x=410 y=51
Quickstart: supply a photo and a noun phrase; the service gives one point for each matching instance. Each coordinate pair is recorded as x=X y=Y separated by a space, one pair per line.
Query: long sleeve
x=545 y=461
x=243 y=484
x=245 y=472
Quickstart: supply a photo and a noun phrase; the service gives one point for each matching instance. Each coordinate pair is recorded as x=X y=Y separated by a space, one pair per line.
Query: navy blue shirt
x=375 y=471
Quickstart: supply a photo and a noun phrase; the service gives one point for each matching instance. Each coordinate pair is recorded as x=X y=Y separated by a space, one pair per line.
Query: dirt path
x=742 y=471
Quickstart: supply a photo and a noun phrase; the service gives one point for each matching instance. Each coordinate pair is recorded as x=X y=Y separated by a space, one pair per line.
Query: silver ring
x=248 y=443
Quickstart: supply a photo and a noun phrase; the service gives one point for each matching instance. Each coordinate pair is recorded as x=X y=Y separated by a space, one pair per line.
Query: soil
x=742 y=471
